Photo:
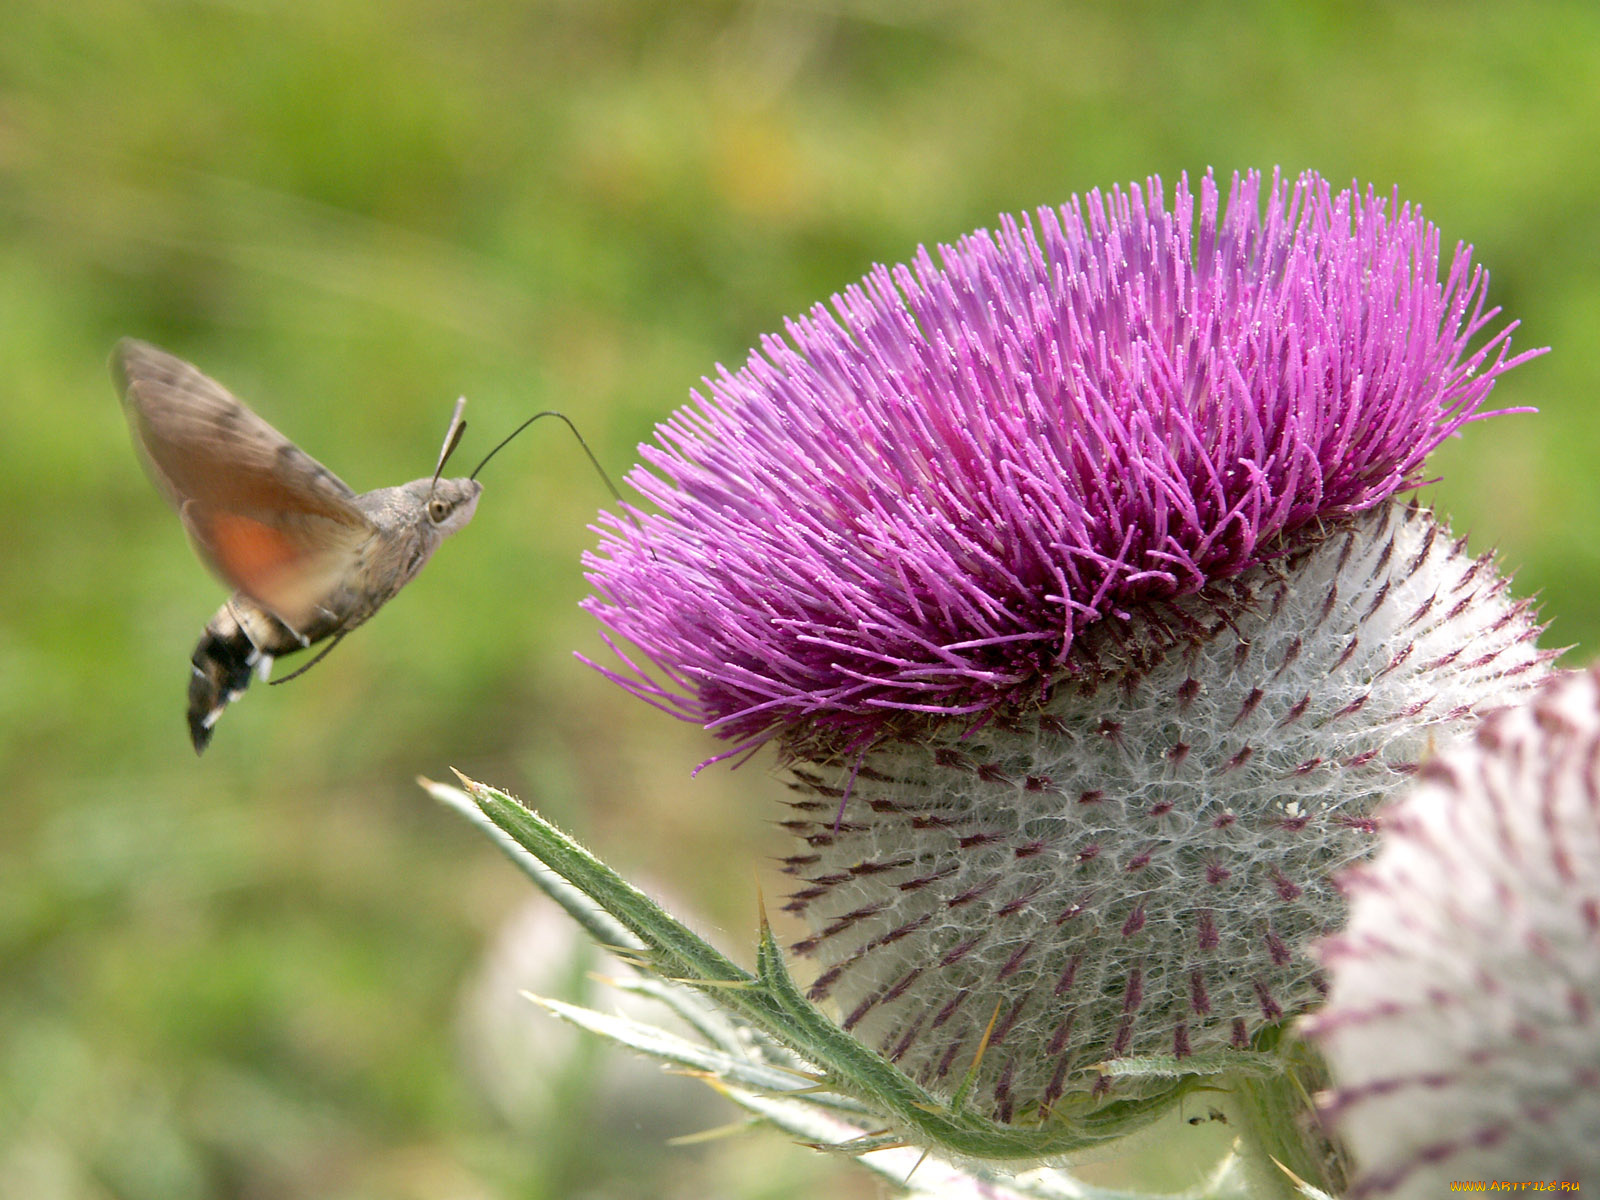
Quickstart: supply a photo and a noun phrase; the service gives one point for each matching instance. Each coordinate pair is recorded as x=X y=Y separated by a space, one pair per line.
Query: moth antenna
x=452 y=439
x=550 y=412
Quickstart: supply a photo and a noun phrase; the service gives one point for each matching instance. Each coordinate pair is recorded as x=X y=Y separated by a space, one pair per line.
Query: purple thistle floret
x=921 y=499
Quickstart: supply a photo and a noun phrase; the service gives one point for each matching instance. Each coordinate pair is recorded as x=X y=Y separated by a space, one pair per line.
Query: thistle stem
x=1282 y=1139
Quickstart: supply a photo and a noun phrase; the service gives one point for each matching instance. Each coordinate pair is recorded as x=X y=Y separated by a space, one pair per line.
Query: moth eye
x=438 y=510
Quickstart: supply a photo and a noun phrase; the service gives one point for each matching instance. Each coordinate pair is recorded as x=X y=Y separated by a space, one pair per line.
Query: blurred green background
x=246 y=975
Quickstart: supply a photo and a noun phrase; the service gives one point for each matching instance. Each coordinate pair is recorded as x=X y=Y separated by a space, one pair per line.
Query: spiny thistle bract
x=1464 y=1016
x=1133 y=866
x=1070 y=580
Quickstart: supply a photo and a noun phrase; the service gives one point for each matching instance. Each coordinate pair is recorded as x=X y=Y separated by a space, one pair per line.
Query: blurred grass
x=240 y=976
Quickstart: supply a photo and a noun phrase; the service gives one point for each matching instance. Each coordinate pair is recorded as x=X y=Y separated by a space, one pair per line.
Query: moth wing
x=264 y=516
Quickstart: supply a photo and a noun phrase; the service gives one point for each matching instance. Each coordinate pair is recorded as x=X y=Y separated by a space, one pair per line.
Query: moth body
x=308 y=558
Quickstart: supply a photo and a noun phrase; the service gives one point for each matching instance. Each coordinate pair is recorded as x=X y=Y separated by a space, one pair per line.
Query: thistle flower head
x=1069 y=577
x=1463 y=1023
x=921 y=499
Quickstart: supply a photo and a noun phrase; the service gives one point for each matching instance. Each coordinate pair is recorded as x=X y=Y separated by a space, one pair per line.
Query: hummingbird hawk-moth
x=308 y=558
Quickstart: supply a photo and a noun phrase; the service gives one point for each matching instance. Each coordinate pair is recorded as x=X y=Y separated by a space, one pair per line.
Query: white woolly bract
x=1463 y=1026
x=1134 y=866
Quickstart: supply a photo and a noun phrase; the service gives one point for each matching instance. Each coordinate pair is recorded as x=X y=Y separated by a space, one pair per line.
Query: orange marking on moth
x=251 y=551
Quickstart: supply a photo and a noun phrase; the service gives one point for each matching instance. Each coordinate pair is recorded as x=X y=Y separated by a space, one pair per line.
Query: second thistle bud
x=1463 y=1025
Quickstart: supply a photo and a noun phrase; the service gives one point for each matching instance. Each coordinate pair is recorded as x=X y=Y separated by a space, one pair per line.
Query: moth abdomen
x=223 y=663
x=241 y=640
